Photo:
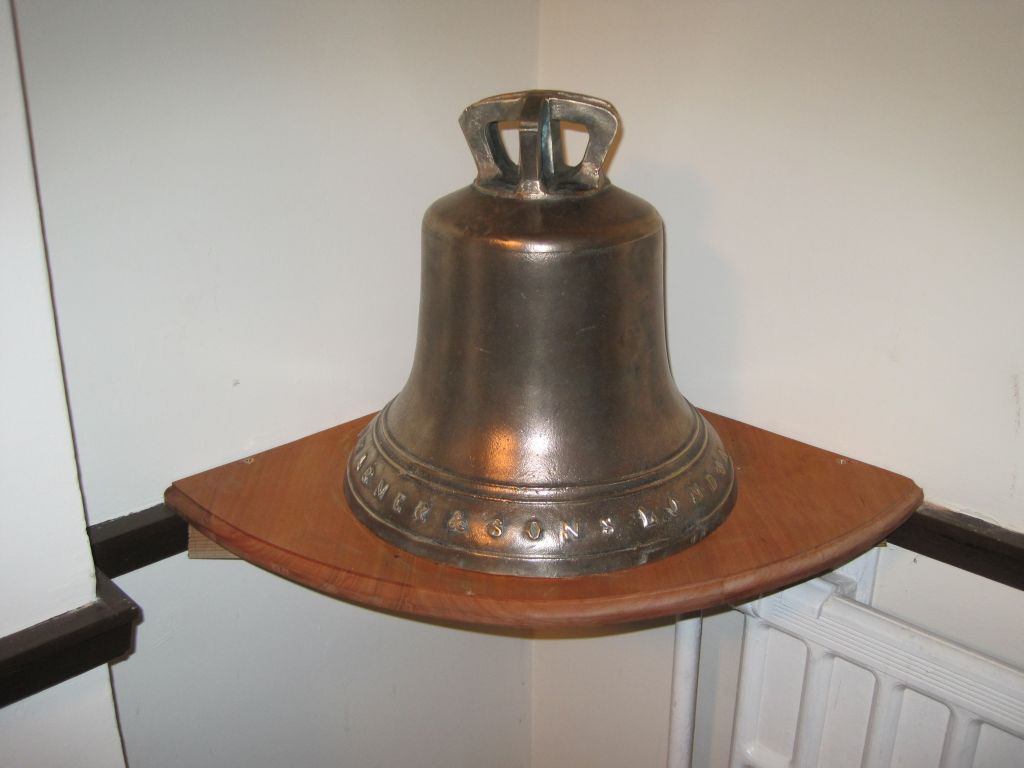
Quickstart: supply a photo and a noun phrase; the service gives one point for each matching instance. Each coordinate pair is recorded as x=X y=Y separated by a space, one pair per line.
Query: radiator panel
x=828 y=681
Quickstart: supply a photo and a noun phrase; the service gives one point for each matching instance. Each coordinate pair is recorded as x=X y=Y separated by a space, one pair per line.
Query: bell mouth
x=543 y=531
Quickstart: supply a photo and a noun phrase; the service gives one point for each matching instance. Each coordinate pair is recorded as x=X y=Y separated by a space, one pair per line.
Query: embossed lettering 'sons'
x=421 y=511
x=381 y=490
x=696 y=493
x=672 y=508
x=719 y=467
x=397 y=502
x=368 y=474
x=533 y=529
x=495 y=528
x=607 y=526
x=457 y=522
x=360 y=461
x=712 y=482
x=569 y=530
x=647 y=517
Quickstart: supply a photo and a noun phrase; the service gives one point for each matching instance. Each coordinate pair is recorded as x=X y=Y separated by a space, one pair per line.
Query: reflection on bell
x=540 y=432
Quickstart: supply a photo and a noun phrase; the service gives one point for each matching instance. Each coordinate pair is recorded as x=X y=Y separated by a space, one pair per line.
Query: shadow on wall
x=701 y=296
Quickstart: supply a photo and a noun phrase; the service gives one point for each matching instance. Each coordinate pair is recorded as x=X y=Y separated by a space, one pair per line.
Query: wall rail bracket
x=67 y=645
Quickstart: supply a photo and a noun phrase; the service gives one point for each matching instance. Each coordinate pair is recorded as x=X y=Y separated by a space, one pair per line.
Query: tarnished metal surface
x=540 y=432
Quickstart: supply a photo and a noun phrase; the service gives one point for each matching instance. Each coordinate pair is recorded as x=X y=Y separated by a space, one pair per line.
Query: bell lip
x=445 y=480
x=562 y=536
x=555 y=566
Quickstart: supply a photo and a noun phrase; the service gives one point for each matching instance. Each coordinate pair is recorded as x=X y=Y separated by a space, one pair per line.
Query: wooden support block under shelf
x=202 y=547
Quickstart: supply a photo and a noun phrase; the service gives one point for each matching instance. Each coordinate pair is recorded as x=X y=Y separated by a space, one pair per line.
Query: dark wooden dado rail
x=966 y=542
x=103 y=631
x=67 y=645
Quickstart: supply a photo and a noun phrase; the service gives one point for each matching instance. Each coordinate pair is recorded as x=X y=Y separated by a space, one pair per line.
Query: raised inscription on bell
x=533 y=530
x=696 y=493
x=457 y=522
x=421 y=512
x=367 y=475
x=570 y=530
x=647 y=517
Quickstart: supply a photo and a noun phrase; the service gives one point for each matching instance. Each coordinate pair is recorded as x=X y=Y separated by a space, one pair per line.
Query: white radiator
x=827 y=681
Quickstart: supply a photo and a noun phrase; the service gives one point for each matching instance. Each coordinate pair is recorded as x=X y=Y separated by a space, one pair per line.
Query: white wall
x=841 y=185
x=238 y=667
x=600 y=698
x=225 y=187
x=70 y=724
x=46 y=568
x=40 y=504
x=233 y=194
x=954 y=604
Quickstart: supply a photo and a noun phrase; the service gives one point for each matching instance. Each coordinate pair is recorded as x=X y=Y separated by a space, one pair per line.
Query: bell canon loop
x=540 y=432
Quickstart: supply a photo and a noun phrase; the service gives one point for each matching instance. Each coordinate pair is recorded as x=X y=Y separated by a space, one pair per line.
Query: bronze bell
x=540 y=432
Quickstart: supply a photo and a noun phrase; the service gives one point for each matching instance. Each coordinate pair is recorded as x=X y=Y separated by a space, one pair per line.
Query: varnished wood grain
x=800 y=510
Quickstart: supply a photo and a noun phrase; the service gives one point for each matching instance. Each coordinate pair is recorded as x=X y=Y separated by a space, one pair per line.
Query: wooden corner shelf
x=800 y=510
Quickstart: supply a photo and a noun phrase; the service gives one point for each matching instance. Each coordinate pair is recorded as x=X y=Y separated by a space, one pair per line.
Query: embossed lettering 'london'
x=696 y=493
x=647 y=517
